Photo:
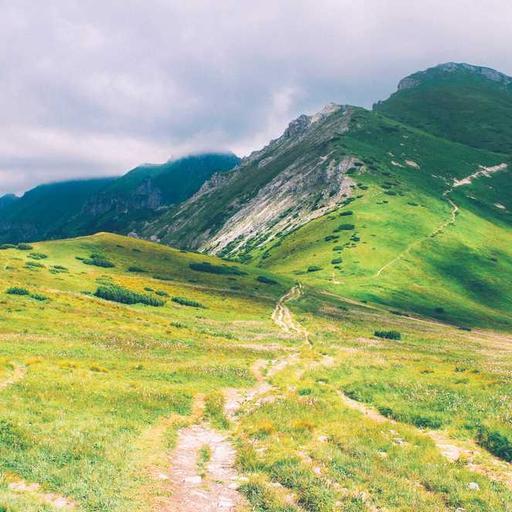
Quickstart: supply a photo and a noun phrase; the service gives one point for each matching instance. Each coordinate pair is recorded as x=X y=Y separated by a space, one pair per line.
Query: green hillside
x=97 y=394
x=404 y=244
x=464 y=103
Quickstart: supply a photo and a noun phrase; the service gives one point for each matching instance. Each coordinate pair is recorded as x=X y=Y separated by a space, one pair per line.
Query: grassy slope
x=101 y=373
x=108 y=385
x=459 y=270
x=331 y=456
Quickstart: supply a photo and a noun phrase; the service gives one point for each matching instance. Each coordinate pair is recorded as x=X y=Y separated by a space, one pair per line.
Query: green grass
x=108 y=385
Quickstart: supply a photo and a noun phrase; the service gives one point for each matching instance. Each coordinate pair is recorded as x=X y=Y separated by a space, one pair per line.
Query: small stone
x=196 y=479
x=225 y=503
x=473 y=486
x=163 y=476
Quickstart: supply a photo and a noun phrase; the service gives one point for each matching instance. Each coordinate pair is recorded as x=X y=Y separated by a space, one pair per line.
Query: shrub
x=216 y=269
x=15 y=290
x=117 y=293
x=426 y=422
x=57 y=269
x=3 y=247
x=390 y=335
x=347 y=213
x=33 y=264
x=98 y=261
x=266 y=280
x=38 y=296
x=162 y=293
x=24 y=247
x=187 y=302
x=135 y=269
x=345 y=227
x=314 y=268
x=37 y=256
x=338 y=248
x=496 y=442
x=329 y=238
x=336 y=261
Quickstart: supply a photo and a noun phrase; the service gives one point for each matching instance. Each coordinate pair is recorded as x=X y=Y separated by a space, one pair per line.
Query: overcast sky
x=95 y=87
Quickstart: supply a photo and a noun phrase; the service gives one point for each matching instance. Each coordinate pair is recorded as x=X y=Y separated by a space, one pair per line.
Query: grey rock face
x=293 y=180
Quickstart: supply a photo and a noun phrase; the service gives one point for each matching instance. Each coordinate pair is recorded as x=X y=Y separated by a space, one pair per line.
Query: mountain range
x=381 y=203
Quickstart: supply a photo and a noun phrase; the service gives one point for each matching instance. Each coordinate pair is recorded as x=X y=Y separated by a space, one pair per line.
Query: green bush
x=15 y=290
x=98 y=261
x=347 y=213
x=390 y=335
x=162 y=293
x=117 y=293
x=496 y=442
x=37 y=256
x=187 y=302
x=314 y=268
x=3 y=247
x=345 y=227
x=336 y=261
x=135 y=269
x=24 y=247
x=38 y=296
x=266 y=280
x=33 y=264
x=216 y=269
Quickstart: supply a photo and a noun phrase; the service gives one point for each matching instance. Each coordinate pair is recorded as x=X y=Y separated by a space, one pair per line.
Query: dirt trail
x=48 y=498
x=216 y=489
x=18 y=374
x=282 y=316
x=476 y=459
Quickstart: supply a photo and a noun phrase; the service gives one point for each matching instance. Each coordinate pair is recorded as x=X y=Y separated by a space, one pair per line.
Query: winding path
x=282 y=316
x=475 y=458
x=214 y=487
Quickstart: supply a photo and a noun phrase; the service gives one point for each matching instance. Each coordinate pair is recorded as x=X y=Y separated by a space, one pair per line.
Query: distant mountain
x=86 y=206
x=44 y=211
x=147 y=191
x=461 y=102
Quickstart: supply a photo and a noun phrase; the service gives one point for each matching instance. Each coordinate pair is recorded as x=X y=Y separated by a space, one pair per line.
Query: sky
x=95 y=87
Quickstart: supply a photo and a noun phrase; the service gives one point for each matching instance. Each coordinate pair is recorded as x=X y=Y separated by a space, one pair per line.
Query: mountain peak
x=447 y=68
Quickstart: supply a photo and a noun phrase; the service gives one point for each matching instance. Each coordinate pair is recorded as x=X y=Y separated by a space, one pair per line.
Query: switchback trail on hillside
x=439 y=229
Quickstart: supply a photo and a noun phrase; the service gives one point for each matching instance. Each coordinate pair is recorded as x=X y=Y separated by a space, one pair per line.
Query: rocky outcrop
x=294 y=179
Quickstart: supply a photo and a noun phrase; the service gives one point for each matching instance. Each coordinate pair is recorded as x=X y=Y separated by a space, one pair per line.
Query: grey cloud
x=97 y=87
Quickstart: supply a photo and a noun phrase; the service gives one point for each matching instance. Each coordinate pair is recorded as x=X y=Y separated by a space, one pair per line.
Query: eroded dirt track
x=216 y=489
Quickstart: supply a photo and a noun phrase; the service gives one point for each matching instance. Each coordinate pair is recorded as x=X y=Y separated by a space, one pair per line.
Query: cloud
x=94 y=88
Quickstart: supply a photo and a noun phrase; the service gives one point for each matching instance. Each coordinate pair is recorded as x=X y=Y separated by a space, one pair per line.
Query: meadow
x=96 y=391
